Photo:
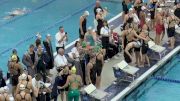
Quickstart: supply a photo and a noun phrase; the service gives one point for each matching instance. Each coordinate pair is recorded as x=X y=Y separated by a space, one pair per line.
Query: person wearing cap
x=90 y=37
x=74 y=82
x=97 y=6
x=30 y=60
x=82 y=25
x=61 y=38
x=23 y=95
x=15 y=70
x=98 y=21
x=25 y=81
x=49 y=50
x=4 y=96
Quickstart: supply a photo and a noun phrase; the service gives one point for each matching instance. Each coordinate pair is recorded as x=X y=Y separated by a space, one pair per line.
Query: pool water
x=45 y=17
x=155 y=90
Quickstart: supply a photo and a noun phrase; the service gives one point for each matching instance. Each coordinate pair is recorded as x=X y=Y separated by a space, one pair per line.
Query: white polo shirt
x=105 y=31
x=58 y=37
x=35 y=83
x=60 y=61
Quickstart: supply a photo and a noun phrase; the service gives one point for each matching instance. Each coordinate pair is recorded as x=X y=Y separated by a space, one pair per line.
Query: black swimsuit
x=171 y=30
x=23 y=98
x=83 y=28
x=99 y=26
x=153 y=11
x=98 y=66
x=93 y=74
x=145 y=47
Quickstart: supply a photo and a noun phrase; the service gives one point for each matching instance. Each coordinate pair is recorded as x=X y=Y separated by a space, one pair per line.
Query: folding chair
x=125 y=71
x=157 y=48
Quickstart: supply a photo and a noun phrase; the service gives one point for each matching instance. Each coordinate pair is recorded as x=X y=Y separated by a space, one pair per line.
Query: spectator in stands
x=82 y=25
x=4 y=96
x=23 y=95
x=28 y=84
x=74 y=82
x=49 y=50
x=36 y=85
x=30 y=60
x=60 y=80
x=74 y=58
x=105 y=33
x=90 y=37
x=43 y=60
x=2 y=81
x=60 y=61
x=15 y=70
x=61 y=38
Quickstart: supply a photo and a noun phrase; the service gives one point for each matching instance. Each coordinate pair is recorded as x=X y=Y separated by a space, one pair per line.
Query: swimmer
x=16 y=12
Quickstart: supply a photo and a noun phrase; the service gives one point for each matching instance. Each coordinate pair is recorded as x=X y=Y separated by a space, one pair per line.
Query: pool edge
x=144 y=76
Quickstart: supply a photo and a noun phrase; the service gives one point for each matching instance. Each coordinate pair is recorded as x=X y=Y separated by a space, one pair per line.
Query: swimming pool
x=157 y=90
x=45 y=17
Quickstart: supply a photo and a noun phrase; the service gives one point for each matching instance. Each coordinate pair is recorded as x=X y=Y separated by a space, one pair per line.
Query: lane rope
x=166 y=79
x=31 y=36
x=26 y=14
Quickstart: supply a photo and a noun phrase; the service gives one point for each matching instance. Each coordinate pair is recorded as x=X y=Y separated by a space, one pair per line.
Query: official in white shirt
x=60 y=60
x=61 y=38
x=105 y=33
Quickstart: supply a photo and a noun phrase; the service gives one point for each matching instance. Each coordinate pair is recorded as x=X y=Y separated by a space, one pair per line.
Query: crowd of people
x=32 y=80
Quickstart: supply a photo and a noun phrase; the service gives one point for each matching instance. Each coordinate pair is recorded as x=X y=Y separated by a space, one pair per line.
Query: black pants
x=105 y=45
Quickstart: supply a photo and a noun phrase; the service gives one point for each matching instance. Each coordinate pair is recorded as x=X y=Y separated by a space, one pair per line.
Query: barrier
x=166 y=79
x=28 y=13
x=31 y=36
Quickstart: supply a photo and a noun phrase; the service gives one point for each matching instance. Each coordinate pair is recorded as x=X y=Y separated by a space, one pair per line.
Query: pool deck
x=107 y=73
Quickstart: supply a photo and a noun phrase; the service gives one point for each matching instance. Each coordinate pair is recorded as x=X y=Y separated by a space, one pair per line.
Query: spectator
x=30 y=60
x=60 y=80
x=74 y=82
x=49 y=50
x=98 y=6
x=61 y=38
x=105 y=33
x=22 y=95
x=82 y=29
x=4 y=96
x=60 y=60
x=15 y=70
x=90 y=37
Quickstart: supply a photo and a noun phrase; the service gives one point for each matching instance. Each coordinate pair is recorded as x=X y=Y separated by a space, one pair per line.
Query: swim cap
x=14 y=57
x=22 y=87
x=73 y=70
x=1 y=90
x=86 y=13
x=98 y=10
x=23 y=76
x=89 y=28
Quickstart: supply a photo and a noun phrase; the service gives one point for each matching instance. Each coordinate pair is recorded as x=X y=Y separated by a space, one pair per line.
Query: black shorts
x=152 y=14
x=80 y=35
x=127 y=58
x=98 y=70
x=137 y=49
x=145 y=48
x=171 y=32
x=14 y=80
